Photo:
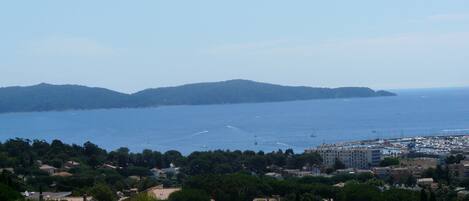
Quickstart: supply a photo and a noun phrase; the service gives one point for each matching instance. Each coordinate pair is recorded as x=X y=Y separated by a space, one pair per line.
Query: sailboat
x=312 y=135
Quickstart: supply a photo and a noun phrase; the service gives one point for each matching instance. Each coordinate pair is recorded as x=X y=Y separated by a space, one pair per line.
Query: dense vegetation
x=45 y=97
x=221 y=175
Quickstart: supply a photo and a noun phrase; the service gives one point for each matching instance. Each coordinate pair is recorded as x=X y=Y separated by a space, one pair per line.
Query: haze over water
x=259 y=126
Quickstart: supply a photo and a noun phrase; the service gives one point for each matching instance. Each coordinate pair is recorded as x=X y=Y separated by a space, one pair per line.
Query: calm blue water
x=272 y=125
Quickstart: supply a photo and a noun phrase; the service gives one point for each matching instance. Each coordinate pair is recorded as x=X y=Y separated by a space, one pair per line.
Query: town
x=411 y=168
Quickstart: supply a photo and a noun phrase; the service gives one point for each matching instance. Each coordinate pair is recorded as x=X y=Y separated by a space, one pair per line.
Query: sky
x=133 y=45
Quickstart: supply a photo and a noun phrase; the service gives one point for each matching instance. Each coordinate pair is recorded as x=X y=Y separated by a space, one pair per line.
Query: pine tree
x=423 y=195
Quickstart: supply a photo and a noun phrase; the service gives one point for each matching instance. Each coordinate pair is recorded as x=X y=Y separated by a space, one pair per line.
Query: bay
x=256 y=126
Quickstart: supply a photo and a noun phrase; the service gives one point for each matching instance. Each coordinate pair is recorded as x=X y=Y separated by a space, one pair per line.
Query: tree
x=172 y=156
x=310 y=159
x=432 y=196
x=338 y=164
x=454 y=159
x=189 y=195
x=121 y=156
x=389 y=161
x=8 y=194
x=257 y=163
x=102 y=192
x=143 y=197
x=309 y=197
x=411 y=181
x=400 y=195
x=423 y=195
x=361 y=192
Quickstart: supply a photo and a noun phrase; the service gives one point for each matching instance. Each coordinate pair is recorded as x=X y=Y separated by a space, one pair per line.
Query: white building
x=360 y=158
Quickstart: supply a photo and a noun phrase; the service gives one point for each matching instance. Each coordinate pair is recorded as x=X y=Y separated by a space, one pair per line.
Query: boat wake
x=458 y=130
x=199 y=133
x=283 y=144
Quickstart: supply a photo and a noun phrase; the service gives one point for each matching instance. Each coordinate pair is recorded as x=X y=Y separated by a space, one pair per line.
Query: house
x=354 y=171
x=297 y=173
x=77 y=199
x=273 y=198
x=400 y=174
x=382 y=172
x=130 y=192
x=161 y=193
x=134 y=177
x=163 y=173
x=265 y=199
x=171 y=170
x=274 y=175
x=109 y=166
x=71 y=164
x=11 y=170
x=62 y=174
x=52 y=196
x=339 y=185
x=462 y=194
x=425 y=182
x=157 y=173
x=49 y=169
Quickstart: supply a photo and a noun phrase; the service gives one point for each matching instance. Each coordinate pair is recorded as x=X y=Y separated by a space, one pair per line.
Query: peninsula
x=48 y=97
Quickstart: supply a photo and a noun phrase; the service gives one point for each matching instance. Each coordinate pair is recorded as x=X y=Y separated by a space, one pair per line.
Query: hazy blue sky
x=131 y=45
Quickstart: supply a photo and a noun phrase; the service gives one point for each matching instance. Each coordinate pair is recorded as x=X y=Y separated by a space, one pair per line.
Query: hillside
x=244 y=91
x=47 y=97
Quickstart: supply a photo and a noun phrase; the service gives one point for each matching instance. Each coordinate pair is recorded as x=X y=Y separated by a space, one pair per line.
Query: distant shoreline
x=47 y=97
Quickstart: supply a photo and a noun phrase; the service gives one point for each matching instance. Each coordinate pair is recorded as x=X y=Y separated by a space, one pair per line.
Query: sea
x=255 y=126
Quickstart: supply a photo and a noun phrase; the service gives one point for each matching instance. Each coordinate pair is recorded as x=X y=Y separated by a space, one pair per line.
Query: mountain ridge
x=50 y=97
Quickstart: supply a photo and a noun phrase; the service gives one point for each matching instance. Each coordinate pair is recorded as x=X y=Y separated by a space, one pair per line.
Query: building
x=163 y=173
x=273 y=198
x=52 y=196
x=462 y=194
x=11 y=170
x=266 y=199
x=109 y=166
x=274 y=175
x=423 y=162
x=62 y=174
x=71 y=164
x=161 y=193
x=49 y=169
x=360 y=158
x=459 y=170
x=425 y=181
x=382 y=172
x=400 y=175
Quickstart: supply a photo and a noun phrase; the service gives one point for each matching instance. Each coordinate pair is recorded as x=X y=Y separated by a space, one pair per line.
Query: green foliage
x=224 y=175
x=8 y=194
x=360 y=192
x=225 y=162
x=452 y=159
x=338 y=165
x=142 y=197
x=102 y=192
x=234 y=187
x=440 y=174
x=45 y=97
x=189 y=195
x=309 y=197
x=400 y=195
x=423 y=195
x=389 y=161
